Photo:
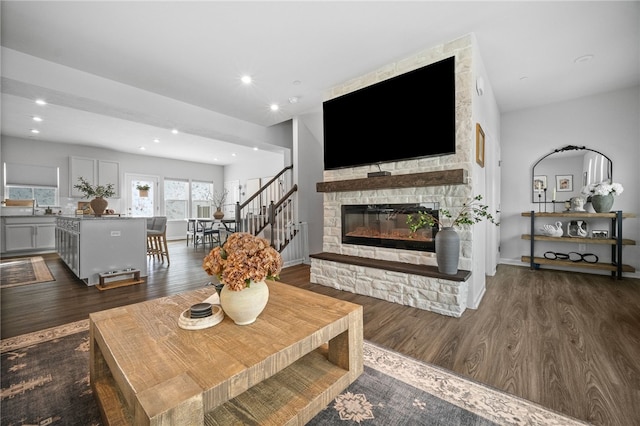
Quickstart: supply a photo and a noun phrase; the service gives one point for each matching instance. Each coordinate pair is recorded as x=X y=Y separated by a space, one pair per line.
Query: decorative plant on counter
x=471 y=212
x=98 y=191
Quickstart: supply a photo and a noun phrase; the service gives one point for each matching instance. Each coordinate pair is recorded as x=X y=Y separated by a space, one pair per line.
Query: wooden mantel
x=412 y=180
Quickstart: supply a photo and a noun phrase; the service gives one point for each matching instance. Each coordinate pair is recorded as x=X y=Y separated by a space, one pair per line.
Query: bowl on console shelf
x=552 y=230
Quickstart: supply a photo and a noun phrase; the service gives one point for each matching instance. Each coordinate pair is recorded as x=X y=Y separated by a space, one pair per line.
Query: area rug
x=45 y=380
x=30 y=270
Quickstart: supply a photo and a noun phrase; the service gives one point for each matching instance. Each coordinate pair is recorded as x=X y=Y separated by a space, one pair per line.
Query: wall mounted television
x=411 y=115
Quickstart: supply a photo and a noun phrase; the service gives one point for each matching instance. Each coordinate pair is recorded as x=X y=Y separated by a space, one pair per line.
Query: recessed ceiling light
x=36 y=118
x=156 y=140
x=255 y=148
x=583 y=58
x=246 y=79
x=274 y=107
x=35 y=131
x=174 y=131
x=523 y=78
x=294 y=100
x=40 y=102
x=142 y=148
x=233 y=154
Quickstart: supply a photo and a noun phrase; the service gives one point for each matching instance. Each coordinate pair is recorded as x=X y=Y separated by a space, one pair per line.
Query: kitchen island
x=108 y=245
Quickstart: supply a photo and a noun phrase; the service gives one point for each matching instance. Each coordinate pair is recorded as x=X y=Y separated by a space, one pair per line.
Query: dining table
x=199 y=226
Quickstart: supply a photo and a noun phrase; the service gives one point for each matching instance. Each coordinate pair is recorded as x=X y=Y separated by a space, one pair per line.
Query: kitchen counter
x=91 y=245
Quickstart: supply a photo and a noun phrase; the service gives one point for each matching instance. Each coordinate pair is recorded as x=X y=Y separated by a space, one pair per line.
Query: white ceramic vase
x=244 y=306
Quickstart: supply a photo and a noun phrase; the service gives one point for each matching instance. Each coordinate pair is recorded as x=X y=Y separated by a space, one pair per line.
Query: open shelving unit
x=616 y=241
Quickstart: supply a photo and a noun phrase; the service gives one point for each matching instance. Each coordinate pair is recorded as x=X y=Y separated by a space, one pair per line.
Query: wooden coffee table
x=303 y=350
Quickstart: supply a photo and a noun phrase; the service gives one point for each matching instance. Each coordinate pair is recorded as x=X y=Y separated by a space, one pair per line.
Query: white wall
x=35 y=152
x=609 y=123
x=309 y=165
x=485 y=234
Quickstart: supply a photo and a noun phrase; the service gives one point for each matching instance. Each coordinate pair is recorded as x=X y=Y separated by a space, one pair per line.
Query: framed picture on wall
x=539 y=183
x=564 y=183
x=479 y=145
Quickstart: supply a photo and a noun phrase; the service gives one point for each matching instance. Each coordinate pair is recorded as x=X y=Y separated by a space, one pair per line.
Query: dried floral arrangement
x=241 y=259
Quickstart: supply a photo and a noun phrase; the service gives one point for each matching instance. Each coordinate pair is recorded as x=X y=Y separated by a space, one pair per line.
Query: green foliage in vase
x=94 y=190
x=471 y=212
x=144 y=187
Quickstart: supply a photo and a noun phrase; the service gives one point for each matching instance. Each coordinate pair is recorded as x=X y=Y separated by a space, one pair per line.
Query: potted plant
x=99 y=192
x=447 y=239
x=601 y=195
x=218 y=199
x=143 y=189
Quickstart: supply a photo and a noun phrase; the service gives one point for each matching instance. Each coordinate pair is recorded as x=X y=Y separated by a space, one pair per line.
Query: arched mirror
x=561 y=174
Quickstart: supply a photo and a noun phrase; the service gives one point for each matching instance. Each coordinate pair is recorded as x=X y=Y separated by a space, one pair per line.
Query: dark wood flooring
x=568 y=341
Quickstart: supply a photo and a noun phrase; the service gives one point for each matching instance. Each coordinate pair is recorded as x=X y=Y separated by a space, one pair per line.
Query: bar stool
x=157 y=239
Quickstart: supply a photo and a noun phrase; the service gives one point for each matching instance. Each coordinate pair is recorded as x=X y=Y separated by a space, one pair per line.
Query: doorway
x=141 y=202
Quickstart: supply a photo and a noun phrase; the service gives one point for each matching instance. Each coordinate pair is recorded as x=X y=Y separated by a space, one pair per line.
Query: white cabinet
x=28 y=233
x=96 y=172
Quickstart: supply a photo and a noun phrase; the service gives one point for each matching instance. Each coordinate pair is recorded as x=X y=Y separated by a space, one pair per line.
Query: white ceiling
x=193 y=54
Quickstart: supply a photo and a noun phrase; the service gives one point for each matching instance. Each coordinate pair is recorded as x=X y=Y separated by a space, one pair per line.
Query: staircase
x=271 y=213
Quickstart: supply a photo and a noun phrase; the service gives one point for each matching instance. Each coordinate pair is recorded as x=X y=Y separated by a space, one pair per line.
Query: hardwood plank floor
x=568 y=341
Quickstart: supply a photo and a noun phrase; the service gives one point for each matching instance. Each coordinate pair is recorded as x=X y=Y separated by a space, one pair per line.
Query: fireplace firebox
x=385 y=225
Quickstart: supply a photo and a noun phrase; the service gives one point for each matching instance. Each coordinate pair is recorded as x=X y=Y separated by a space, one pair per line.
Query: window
x=201 y=199
x=176 y=199
x=45 y=197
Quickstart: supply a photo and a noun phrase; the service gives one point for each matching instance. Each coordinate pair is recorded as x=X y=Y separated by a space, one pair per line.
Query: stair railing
x=271 y=211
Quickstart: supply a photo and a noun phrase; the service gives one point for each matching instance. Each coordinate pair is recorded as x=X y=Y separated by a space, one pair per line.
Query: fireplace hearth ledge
x=419 y=286
x=387 y=265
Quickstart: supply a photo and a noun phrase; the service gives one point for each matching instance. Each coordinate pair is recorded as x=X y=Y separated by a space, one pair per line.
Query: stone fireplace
x=403 y=275
x=397 y=274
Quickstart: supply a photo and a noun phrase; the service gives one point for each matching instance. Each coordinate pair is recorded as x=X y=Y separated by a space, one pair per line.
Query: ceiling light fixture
x=246 y=79
x=294 y=100
x=174 y=131
x=36 y=118
x=142 y=148
x=36 y=131
x=255 y=148
x=156 y=140
x=583 y=58
x=233 y=154
x=274 y=107
x=40 y=102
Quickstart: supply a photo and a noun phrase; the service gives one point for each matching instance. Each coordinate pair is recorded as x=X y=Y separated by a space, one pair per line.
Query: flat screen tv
x=408 y=116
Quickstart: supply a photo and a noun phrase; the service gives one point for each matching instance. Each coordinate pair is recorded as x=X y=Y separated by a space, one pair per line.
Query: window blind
x=30 y=175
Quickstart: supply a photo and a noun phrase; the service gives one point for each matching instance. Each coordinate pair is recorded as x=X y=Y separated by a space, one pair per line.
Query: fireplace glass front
x=385 y=225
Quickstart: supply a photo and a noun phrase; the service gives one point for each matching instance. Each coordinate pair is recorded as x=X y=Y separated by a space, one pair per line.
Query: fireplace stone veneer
x=406 y=277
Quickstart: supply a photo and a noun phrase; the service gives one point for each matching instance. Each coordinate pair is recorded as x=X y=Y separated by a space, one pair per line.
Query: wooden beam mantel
x=412 y=180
